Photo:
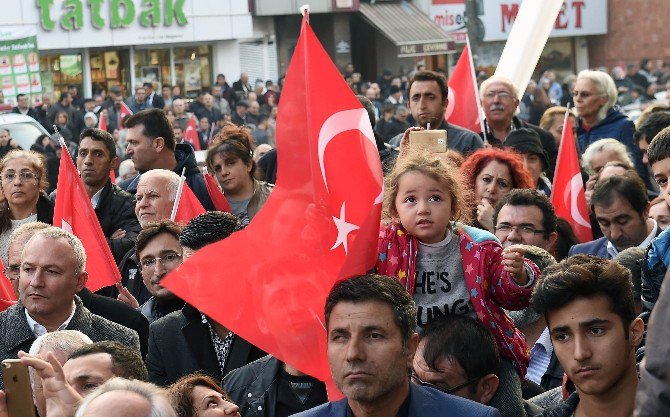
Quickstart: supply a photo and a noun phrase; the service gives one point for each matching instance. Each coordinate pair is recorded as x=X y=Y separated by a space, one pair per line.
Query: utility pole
x=471 y=26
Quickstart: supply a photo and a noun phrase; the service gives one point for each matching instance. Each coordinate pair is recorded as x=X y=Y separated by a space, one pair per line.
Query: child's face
x=661 y=170
x=424 y=206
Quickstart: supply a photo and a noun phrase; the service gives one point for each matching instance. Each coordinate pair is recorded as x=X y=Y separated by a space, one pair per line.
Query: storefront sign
x=19 y=65
x=576 y=18
x=434 y=48
x=450 y=16
x=122 y=13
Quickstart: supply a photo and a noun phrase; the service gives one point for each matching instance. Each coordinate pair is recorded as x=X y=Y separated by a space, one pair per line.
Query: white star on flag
x=343 y=230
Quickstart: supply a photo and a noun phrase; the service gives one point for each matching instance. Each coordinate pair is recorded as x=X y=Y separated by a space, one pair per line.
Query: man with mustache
x=499 y=98
x=588 y=304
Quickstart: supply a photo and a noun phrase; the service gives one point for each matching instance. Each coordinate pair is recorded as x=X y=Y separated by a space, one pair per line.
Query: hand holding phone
x=18 y=391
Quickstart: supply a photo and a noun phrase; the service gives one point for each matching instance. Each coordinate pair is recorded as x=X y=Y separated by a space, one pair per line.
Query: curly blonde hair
x=448 y=175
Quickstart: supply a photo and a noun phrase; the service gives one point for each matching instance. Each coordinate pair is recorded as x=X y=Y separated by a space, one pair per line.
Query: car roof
x=7 y=118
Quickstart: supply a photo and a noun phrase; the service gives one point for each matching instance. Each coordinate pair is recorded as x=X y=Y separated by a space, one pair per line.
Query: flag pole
x=61 y=139
x=178 y=197
x=560 y=146
x=476 y=87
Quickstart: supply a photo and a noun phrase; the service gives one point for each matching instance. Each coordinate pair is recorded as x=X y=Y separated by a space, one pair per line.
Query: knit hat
x=526 y=140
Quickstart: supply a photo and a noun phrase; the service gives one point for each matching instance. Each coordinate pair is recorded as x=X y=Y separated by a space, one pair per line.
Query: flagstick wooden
x=476 y=88
x=178 y=197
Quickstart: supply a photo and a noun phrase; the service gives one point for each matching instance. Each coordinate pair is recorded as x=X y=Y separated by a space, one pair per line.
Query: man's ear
x=410 y=349
x=636 y=332
x=158 y=143
x=81 y=281
x=115 y=163
x=487 y=388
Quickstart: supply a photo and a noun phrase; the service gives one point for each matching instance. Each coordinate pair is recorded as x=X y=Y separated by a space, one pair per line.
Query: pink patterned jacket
x=491 y=289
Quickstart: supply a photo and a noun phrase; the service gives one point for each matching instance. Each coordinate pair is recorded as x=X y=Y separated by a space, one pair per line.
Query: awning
x=408 y=28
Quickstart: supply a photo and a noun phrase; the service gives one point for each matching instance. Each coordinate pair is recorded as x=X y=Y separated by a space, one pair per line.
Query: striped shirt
x=540 y=355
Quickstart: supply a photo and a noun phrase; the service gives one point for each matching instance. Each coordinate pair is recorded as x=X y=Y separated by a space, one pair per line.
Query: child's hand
x=512 y=259
x=404 y=142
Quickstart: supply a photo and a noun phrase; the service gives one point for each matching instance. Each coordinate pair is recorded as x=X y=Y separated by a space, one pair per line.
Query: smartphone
x=17 y=389
x=434 y=141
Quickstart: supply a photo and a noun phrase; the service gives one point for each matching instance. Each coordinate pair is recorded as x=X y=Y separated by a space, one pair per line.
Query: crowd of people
x=482 y=301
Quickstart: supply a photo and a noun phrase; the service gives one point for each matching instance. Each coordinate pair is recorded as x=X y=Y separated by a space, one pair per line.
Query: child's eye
x=410 y=199
x=435 y=198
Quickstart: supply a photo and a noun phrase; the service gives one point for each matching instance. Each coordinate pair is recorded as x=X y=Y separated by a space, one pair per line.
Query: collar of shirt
x=612 y=251
x=545 y=341
x=96 y=198
x=39 y=330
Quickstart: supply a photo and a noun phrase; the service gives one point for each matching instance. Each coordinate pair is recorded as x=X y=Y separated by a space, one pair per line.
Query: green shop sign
x=122 y=13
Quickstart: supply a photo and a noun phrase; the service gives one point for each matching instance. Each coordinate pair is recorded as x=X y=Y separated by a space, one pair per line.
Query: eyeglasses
x=457 y=388
x=502 y=94
x=167 y=260
x=12 y=271
x=523 y=230
x=24 y=176
x=583 y=94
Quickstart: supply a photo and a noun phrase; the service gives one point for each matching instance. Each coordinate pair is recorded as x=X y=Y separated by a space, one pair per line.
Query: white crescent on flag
x=576 y=186
x=66 y=226
x=354 y=119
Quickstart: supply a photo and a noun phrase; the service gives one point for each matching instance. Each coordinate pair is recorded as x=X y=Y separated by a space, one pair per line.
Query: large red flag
x=188 y=206
x=215 y=194
x=124 y=111
x=73 y=212
x=567 y=195
x=7 y=294
x=268 y=283
x=463 y=107
x=191 y=134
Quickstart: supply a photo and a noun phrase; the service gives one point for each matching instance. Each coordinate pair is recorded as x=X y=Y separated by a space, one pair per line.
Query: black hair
x=208 y=228
x=373 y=287
x=632 y=259
x=154 y=124
x=652 y=126
x=585 y=276
x=440 y=79
x=627 y=186
x=126 y=362
x=100 y=135
x=453 y=337
x=235 y=141
x=526 y=197
x=659 y=147
x=154 y=229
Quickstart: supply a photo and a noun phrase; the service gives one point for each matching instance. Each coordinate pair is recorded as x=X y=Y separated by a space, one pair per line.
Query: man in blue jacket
x=370 y=320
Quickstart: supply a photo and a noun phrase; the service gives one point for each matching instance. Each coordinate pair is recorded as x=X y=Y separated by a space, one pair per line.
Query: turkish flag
x=215 y=194
x=7 y=294
x=268 y=283
x=191 y=134
x=124 y=111
x=102 y=124
x=73 y=212
x=463 y=107
x=567 y=195
x=188 y=205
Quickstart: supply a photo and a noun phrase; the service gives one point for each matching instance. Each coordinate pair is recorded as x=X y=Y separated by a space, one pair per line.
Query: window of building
x=152 y=66
x=64 y=69
x=193 y=68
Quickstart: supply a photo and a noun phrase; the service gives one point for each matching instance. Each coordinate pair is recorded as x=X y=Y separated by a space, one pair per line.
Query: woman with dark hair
x=23 y=180
x=43 y=144
x=198 y=395
x=231 y=162
x=491 y=173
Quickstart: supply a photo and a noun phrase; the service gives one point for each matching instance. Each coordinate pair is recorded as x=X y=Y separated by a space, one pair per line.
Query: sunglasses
x=457 y=388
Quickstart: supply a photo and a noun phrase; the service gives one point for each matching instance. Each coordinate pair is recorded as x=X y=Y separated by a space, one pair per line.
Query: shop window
x=110 y=68
x=61 y=71
x=152 y=66
x=193 y=69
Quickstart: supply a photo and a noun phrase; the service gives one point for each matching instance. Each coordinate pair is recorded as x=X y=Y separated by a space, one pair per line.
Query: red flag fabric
x=215 y=194
x=73 y=212
x=320 y=223
x=188 y=207
x=124 y=111
x=463 y=107
x=567 y=195
x=7 y=294
x=191 y=134
x=102 y=124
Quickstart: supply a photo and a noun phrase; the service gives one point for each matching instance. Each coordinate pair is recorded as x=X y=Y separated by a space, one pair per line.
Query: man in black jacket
x=114 y=207
x=23 y=107
x=188 y=341
x=151 y=145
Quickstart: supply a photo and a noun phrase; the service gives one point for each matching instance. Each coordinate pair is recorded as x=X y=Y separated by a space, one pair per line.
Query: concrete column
x=86 y=73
